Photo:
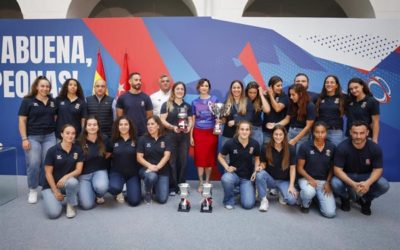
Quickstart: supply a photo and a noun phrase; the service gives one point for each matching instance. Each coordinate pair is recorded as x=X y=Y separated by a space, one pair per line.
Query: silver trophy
x=183 y=119
x=219 y=110
x=206 y=203
x=184 y=204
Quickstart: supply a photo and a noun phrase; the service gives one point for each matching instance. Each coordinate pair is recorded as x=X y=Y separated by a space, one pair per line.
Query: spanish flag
x=124 y=77
x=99 y=74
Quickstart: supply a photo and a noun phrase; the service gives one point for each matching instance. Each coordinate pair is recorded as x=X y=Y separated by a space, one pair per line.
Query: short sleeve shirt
x=310 y=116
x=275 y=170
x=317 y=163
x=70 y=113
x=153 y=150
x=123 y=158
x=204 y=119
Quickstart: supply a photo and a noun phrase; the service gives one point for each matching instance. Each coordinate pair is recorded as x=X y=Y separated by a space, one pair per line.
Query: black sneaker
x=304 y=210
x=345 y=204
x=365 y=206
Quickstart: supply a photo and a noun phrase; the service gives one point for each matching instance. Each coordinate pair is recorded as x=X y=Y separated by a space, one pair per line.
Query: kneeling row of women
x=274 y=167
x=88 y=158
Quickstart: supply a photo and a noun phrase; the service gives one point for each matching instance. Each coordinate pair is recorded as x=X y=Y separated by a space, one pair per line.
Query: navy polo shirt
x=241 y=157
x=93 y=160
x=275 y=170
x=153 y=150
x=310 y=116
x=362 y=110
x=329 y=112
x=70 y=113
x=63 y=162
x=234 y=115
x=359 y=161
x=40 y=116
x=123 y=158
x=317 y=163
x=135 y=107
x=172 y=116
x=274 y=116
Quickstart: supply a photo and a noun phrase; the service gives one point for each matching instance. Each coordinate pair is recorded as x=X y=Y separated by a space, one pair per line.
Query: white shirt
x=157 y=99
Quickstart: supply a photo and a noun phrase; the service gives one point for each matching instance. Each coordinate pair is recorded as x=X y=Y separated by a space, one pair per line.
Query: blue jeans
x=335 y=136
x=293 y=132
x=257 y=135
x=178 y=160
x=52 y=206
x=342 y=190
x=133 y=187
x=265 y=181
x=247 y=196
x=35 y=158
x=267 y=137
x=159 y=182
x=91 y=186
x=327 y=204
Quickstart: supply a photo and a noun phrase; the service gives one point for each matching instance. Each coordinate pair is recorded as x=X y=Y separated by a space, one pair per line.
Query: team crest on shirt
x=363 y=105
x=235 y=151
x=328 y=152
x=62 y=103
x=351 y=104
x=52 y=104
x=336 y=100
x=77 y=106
x=368 y=161
x=142 y=103
x=116 y=145
x=162 y=144
x=251 y=150
x=133 y=144
x=59 y=157
x=35 y=104
x=75 y=156
x=323 y=101
x=148 y=145
x=312 y=152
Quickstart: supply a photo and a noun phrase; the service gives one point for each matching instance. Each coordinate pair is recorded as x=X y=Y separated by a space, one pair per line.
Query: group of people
x=294 y=147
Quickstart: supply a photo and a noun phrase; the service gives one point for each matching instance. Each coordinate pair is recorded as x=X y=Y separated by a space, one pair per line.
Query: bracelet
x=24 y=138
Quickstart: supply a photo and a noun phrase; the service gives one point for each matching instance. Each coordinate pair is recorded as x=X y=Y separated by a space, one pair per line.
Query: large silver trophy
x=184 y=204
x=219 y=110
x=206 y=203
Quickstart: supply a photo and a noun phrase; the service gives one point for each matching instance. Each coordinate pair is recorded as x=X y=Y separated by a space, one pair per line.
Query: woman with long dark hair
x=64 y=162
x=36 y=122
x=330 y=107
x=315 y=166
x=260 y=105
x=362 y=106
x=93 y=182
x=176 y=116
x=300 y=117
x=71 y=106
x=279 y=103
x=278 y=169
x=153 y=154
x=124 y=167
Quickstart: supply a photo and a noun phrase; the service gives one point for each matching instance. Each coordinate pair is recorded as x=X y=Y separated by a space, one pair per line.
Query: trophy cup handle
x=211 y=106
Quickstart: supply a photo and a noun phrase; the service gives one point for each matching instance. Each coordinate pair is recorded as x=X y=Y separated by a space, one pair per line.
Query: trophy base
x=183 y=209
x=205 y=209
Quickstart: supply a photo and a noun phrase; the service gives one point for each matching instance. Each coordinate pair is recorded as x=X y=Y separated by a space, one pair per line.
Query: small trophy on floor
x=206 y=203
x=184 y=204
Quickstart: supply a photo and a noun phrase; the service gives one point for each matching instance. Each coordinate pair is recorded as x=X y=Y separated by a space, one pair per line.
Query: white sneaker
x=264 y=205
x=120 y=198
x=70 y=211
x=32 y=197
x=100 y=200
x=229 y=207
x=281 y=200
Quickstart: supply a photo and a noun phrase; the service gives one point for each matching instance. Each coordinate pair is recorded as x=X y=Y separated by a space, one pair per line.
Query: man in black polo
x=135 y=104
x=358 y=169
x=100 y=105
